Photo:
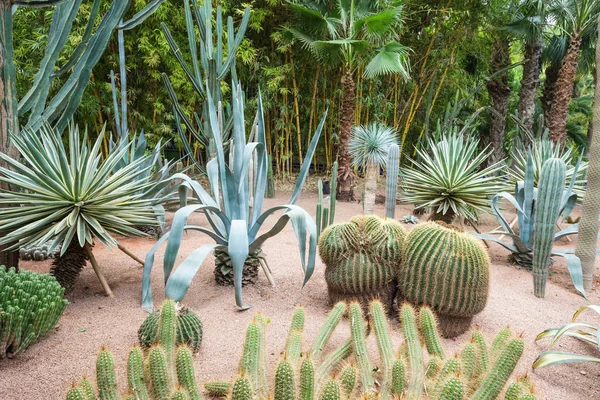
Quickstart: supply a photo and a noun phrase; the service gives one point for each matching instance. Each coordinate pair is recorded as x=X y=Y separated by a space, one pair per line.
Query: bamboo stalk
x=296 y=109
x=98 y=271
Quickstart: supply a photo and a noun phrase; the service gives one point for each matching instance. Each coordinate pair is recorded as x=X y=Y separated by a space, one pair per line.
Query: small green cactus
x=359 y=345
x=135 y=374
x=285 y=388
x=361 y=257
x=30 y=306
x=242 y=389
x=398 y=377
x=307 y=380
x=217 y=388
x=189 y=329
x=348 y=380
x=105 y=376
x=332 y=390
x=447 y=270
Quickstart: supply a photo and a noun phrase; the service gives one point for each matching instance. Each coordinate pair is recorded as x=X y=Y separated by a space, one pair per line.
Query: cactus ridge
x=446 y=270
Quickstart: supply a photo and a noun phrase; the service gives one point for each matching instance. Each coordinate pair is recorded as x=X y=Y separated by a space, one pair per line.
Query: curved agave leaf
x=558 y=357
x=574 y=266
x=238 y=252
x=507 y=246
x=179 y=283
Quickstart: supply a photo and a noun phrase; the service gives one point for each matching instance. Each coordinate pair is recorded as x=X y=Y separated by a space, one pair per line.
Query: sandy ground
x=47 y=368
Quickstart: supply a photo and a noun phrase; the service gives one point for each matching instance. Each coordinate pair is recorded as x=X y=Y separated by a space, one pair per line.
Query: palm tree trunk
x=370 y=188
x=530 y=82
x=557 y=118
x=499 y=92
x=547 y=98
x=345 y=173
x=8 y=105
x=589 y=224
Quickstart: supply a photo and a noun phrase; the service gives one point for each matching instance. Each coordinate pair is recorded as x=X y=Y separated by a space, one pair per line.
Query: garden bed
x=47 y=368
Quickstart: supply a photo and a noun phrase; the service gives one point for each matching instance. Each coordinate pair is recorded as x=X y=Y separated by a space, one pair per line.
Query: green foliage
x=585 y=332
x=30 y=306
x=235 y=226
x=526 y=196
x=68 y=193
x=449 y=179
x=189 y=329
x=458 y=265
x=361 y=257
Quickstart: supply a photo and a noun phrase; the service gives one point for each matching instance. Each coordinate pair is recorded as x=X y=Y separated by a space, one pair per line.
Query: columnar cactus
x=189 y=329
x=391 y=183
x=447 y=270
x=360 y=257
x=547 y=211
x=325 y=215
x=30 y=306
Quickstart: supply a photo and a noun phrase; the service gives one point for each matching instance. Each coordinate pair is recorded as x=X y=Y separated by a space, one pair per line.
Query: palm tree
x=369 y=148
x=588 y=227
x=577 y=18
x=351 y=34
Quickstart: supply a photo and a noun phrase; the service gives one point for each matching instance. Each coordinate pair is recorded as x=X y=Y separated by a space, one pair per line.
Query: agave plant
x=541 y=150
x=369 y=149
x=70 y=195
x=585 y=332
x=449 y=180
x=234 y=223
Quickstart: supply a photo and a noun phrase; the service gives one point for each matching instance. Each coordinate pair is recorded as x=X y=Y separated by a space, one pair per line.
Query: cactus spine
x=361 y=257
x=447 y=270
x=547 y=212
x=391 y=183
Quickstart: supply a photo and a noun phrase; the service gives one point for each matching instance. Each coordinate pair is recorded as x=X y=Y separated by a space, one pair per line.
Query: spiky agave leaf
x=61 y=193
x=369 y=145
x=448 y=177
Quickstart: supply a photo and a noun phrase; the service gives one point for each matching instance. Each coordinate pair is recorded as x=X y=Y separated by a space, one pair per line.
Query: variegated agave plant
x=70 y=195
x=235 y=224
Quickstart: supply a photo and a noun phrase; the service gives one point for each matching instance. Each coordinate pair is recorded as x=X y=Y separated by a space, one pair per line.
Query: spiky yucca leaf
x=61 y=193
x=448 y=179
x=369 y=145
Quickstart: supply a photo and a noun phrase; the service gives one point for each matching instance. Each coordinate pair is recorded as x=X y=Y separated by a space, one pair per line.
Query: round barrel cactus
x=448 y=270
x=189 y=329
x=30 y=306
x=360 y=257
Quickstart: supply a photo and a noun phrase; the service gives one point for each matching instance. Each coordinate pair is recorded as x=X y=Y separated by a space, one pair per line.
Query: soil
x=92 y=320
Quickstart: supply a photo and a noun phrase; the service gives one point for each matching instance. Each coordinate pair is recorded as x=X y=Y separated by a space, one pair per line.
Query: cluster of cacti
x=391 y=182
x=30 y=306
x=479 y=372
x=361 y=258
x=548 y=207
x=189 y=329
x=38 y=253
x=164 y=371
x=325 y=216
x=447 y=270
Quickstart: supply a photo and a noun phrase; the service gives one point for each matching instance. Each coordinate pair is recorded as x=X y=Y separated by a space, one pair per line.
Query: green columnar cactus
x=359 y=345
x=293 y=346
x=285 y=388
x=75 y=393
x=105 y=376
x=447 y=270
x=242 y=389
x=454 y=389
x=30 y=306
x=331 y=391
x=88 y=390
x=249 y=363
x=547 y=211
x=398 y=377
x=217 y=388
x=500 y=342
x=450 y=368
x=361 y=257
x=332 y=196
x=415 y=355
x=135 y=374
x=263 y=384
x=332 y=321
x=189 y=329
x=348 y=380
x=429 y=330
x=307 y=380
x=318 y=218
x=391 y=183
x=185 y=372
x=384 y=344
x=159 y=372
x=468 y=360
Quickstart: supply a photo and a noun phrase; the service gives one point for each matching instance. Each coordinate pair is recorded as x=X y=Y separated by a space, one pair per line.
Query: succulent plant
x=189 y=329
x=30 y=306
x=391 y=183
x=361 y=257
x=38 y=253
x=447 y=270
x=325 y=215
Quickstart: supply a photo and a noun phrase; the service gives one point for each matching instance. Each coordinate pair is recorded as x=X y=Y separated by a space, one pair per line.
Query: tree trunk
x=547 y=97
x=589 y=224
x=345 y=173
x=529 y=83
x=557 y=119
x=8 y=105
x=499 y=92
x=370 y=188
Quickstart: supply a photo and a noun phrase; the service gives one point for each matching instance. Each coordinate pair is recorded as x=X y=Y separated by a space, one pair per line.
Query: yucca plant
x=369 y=146
x=585 y=332
x=448 y=178
x=541 y=150
x=234 y=223
x=70 y=196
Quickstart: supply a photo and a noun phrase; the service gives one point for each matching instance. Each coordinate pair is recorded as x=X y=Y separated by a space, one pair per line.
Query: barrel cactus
x=360 y=257
x=189 y=329
x=447 y=270
x=30 y=306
